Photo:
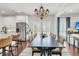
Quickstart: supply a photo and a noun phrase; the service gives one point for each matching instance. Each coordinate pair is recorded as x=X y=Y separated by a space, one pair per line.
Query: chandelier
x=41 y=12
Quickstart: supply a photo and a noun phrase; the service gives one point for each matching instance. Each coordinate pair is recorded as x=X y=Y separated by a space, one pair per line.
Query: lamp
x=41 y=12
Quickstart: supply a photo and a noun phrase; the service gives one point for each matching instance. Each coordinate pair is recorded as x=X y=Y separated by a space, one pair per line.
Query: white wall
x=48 y=22
x=63 y=26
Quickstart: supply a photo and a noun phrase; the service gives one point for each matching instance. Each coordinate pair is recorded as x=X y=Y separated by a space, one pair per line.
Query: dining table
x=45 y=44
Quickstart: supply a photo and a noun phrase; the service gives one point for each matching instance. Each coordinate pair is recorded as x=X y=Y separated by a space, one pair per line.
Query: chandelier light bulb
x=47 y=11
x=41 y=12
x=36 y=11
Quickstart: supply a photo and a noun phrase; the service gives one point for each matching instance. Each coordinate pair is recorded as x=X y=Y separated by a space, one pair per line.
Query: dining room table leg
x=42 y=52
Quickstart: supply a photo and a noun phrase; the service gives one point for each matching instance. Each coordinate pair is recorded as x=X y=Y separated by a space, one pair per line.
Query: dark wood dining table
x=45 y=44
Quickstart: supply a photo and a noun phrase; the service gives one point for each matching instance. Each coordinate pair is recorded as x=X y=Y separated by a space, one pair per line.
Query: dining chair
x=32 y=37
x=35 y=50
x=6 y=43
x=58 y=51
x=17 y=40
x=53 y=35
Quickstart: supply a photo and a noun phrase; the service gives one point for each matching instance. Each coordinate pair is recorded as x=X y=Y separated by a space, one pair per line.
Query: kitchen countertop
x=75 y=36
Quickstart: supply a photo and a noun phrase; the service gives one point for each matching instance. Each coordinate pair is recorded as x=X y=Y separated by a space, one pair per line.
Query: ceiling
x=28 y=8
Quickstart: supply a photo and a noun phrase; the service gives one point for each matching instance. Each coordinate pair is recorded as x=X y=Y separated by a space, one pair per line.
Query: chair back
x=53 y=35
x=61 y=39
x=16 y=37
x=35 y=35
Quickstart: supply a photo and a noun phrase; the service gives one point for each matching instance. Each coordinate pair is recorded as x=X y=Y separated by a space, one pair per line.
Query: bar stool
x=17 y=39
x=4 y=43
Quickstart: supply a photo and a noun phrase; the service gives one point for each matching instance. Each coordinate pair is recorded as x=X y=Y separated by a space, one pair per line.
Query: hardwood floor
x=71 y=49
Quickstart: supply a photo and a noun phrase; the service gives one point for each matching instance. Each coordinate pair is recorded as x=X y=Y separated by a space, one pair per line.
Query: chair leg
x=41 y=52
x=60 y=54
x=3 y=52
x=32 y=53
x=48 y=53
x=20 y=42
x=17 y=47
x=17 y=50
x=44 y=53
x=10 y=49
x=21 y=45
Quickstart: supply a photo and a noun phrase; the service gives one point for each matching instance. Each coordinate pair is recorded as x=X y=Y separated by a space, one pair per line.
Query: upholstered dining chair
x=35 y=50
x=53 y=35
x=4 y=43
x=59 y=50
x=32 y=37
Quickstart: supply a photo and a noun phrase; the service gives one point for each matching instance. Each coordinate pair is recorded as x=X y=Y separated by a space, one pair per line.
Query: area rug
x=28 y=52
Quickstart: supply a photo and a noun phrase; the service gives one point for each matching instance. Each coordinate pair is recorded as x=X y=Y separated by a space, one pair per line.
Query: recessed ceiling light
x=2 y=11
x=70 y=10
x=18 y=11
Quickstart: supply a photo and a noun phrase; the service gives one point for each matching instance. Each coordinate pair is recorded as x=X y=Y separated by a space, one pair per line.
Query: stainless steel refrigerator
x=21 y=28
